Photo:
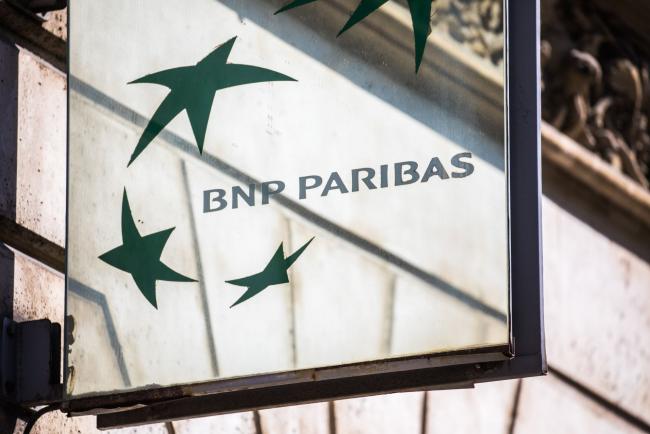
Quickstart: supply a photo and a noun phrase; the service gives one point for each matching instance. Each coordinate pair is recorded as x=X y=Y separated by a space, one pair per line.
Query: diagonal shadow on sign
x=337 y=231
x=385 y=49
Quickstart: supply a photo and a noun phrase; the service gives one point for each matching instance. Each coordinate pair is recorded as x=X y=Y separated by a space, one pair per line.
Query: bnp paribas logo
x=420 y=16
x=193 y=88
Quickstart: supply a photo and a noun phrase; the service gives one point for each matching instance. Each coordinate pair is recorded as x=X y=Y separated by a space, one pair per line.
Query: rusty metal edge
x=397 y=367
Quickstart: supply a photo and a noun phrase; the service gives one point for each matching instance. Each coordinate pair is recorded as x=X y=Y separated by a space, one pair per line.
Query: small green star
x=192 y=88
x=140 y=256
x=420 y=15
x=275 y=273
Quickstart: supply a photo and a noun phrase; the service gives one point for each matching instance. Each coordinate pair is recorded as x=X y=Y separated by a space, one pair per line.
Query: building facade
x=596 y=216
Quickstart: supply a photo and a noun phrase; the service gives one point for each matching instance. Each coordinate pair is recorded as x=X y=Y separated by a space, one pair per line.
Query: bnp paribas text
x=381 y=176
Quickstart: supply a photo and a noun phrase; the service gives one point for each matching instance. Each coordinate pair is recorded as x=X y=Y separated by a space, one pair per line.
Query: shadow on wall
x=600 y=215
x=8 y=180
x=8 y=167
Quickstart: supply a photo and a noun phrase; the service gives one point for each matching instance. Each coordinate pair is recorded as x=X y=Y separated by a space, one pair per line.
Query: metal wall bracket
x=30 y=362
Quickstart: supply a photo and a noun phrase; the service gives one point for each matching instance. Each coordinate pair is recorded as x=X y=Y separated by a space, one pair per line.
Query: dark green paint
x=420 y=15
x=275 y=273
x=365 y=8
x=140 y=256
x=192 y=88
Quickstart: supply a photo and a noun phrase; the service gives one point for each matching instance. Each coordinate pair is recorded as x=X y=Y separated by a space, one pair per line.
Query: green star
x=140 y=256
x=420 y=15
x=192 y=88
x=275 y=273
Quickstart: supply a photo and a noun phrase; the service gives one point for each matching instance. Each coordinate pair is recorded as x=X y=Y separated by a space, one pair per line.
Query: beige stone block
x=57 y=23
x=549 y=406
x=486 y=409
x=39 y=292
x=597 y=310
x=41 y=149
x=59 y=423
x=238 y=423
x=387 y=414
x=301 y=419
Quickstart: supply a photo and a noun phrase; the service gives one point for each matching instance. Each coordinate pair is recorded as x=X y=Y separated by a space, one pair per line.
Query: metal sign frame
x=525 y=356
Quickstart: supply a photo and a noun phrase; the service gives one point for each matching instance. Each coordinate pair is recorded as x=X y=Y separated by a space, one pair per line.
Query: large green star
x=420 y=15
x=140 y=256
x=192 y=88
